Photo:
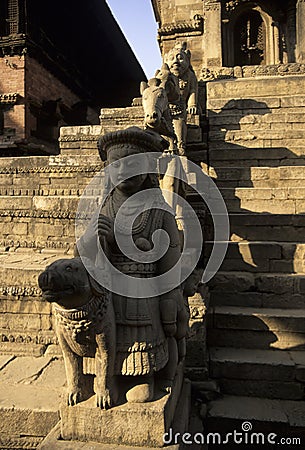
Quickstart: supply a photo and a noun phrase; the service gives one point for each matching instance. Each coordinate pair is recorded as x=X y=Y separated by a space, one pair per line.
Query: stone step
x=252 y=176
x=30 y=394
x=259 y=373
x=255 y=153
x=284 y=418
x=260 y=256
x=271 y=206
x=257 y=299
x=256 y=328
x=266 y=193
x=256 y=319
x=272 y=283
x=284 y=227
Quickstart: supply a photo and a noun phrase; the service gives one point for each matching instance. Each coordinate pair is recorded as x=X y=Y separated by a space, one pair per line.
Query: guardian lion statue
x=85 y=327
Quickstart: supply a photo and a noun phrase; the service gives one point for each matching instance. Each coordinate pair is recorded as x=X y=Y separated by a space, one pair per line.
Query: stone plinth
x=138 y=424
x=124 y=427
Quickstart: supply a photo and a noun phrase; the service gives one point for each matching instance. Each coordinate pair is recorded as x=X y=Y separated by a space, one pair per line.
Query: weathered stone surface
x=256 y=339
x=251 y=365
x=263 y=389
x=120 y=425
x=30 y=392
x=245 y=408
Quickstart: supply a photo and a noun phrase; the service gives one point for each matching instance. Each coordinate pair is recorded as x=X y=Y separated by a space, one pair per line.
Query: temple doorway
x=249 y=39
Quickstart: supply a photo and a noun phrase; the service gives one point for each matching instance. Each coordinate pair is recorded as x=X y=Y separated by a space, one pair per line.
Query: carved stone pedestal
x=124 y=427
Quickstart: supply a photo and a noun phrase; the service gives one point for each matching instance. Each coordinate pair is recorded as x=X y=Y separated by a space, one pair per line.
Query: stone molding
x=10 y=98
x=20 y=291
x=36 y=245
x=13 y=44
x=212 y=5
x=40 y=214
x=194 y=26
x=27 y=338
x=218 y=73
x=78 y=137
x=36 y=214
x=48 y=169
x=16 y=192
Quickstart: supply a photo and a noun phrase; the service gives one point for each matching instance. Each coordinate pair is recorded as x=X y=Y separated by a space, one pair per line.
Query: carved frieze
x=27 y=338
x=49 y=169
x=194 y=26
x=20 y=291
x=209 y=74
x=8 y=99
x=36 y=245
x=212 y=5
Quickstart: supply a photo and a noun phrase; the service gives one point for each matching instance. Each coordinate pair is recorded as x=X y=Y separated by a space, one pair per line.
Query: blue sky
x=137 y=21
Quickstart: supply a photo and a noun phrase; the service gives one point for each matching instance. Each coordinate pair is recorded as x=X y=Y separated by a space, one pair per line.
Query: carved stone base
x=123 y=427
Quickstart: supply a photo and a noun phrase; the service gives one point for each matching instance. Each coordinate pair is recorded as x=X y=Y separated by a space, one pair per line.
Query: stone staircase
x=256 y=331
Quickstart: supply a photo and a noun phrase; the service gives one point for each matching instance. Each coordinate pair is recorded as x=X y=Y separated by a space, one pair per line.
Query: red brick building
x=60 y=62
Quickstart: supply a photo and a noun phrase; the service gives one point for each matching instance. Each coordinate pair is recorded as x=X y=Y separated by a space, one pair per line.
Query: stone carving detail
x=10 y=99
x=194 y=26
x=128 y=336
x=209 y=74
x=231 y=5
x=179 y=61
x=28 y=338
x=212 y=5
x=156 y=95
x=20 y=291
x=36 y=245
x=85 y=327
x=48 y=169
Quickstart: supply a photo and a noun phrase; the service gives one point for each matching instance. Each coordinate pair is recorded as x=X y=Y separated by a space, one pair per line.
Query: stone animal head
x=154 y=100
x=179 y=59
x=67 y=283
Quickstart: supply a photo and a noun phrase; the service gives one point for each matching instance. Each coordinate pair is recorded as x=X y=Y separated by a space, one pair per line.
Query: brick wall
x=12 y=81
x=41 y=85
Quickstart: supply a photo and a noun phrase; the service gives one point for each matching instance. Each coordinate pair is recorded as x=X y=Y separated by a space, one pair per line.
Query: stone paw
x=167 y=386
x=74 y=397
x=104 y=400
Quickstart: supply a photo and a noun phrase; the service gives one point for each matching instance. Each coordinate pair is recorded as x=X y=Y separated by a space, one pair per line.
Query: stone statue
x=156 y=95
x=85 y=327
x=179 y=61
x=146 y=328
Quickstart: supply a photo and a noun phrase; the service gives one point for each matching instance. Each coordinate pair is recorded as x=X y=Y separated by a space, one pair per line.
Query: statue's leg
x=74 y=371
x=167 y=374
x=142 y=391
x=106 y=391
x=180 y=128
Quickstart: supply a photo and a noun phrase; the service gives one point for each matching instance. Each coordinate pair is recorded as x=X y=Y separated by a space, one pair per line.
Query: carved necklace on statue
x=142 y=217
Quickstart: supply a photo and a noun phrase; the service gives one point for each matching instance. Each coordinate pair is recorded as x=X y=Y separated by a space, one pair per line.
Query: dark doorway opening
x=249 y=39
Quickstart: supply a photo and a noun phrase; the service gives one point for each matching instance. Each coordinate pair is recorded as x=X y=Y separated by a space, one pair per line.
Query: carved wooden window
x=249 y=39
x=11 y=17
